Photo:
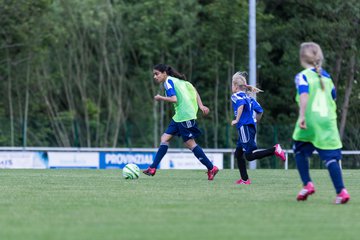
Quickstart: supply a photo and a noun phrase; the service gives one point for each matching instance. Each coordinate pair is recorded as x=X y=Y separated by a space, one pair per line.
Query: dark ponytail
x=169 y=71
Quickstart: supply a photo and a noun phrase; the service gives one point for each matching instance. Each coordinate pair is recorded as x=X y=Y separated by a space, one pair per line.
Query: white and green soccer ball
x=131 y=171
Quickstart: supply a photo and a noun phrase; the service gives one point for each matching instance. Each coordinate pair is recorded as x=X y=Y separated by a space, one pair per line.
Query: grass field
x=175 y=204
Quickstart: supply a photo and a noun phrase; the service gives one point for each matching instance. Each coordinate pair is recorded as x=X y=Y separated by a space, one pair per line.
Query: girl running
x=186 y=102
x=316 y=127
x=245 y=107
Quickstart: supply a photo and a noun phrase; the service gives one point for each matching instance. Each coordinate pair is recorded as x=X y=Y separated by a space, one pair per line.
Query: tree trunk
x=26 y=110
x=11 y=110
x=348 y=90
x=337 y=68
x=216 y=103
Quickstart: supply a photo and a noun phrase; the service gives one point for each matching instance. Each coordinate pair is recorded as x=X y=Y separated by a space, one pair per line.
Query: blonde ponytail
x=318 y=71
x=240 y=80
x=311 y=53
x=252 y=89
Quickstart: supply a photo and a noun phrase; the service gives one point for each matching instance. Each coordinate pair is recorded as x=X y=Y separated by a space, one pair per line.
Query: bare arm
x=202 y=107
x=238 y=115
x=303 y=104
x=258 y=116
x=172 y=99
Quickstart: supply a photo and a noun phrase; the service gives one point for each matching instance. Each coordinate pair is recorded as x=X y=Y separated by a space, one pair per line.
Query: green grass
x=175 y=204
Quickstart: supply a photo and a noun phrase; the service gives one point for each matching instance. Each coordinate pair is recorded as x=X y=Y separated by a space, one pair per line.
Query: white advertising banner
x=23 y=160
x=189 y=161
x=73 y=159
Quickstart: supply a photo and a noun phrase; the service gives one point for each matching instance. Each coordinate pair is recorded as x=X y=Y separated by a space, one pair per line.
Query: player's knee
x=329 y=162
x=190 y=144
x=165 y=139
x=249 y=156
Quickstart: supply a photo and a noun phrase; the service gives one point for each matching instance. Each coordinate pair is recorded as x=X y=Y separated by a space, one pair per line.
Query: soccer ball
x=131 y=171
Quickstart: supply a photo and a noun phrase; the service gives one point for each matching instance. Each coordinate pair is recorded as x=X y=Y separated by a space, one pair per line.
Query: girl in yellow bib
x=186 y=102
x=316 y=127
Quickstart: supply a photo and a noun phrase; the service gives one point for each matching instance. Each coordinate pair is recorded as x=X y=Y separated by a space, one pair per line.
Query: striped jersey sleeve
x=169 y=88
x=301 y=83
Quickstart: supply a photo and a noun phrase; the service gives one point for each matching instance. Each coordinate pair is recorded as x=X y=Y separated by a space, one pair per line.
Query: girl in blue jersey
x=186 y=101
x=245 y=107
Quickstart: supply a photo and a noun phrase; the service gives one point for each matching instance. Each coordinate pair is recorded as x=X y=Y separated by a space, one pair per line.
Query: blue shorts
x=308 y=148
x=246 y=139
x=187 y=130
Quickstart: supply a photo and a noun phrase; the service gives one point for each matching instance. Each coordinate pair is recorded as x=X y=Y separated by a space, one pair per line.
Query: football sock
x=239 y=154
x=302 y=164
x=335 y=174
x=260 y=154
x=199 y=153
x=160 y=154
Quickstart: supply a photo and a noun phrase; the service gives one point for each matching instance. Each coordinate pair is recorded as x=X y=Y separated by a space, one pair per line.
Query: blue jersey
x=251 y=106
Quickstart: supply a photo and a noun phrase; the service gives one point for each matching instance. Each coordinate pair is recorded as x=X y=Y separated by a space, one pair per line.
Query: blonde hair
x=239 y=80
x=312 y=54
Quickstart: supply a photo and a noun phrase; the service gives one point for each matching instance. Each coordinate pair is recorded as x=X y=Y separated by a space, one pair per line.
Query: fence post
x=232 y=163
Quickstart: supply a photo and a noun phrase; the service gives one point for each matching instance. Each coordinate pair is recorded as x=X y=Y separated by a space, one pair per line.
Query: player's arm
x=258 y=116
x=238 y=115
x=302 y=86
x=303 y=104
x=171 y=99
x=169 y=92
x=258 y=110
x=202 y=107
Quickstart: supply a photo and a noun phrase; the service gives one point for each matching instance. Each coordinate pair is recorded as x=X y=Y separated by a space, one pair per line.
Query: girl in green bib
x=316 y=127
x=186 y=101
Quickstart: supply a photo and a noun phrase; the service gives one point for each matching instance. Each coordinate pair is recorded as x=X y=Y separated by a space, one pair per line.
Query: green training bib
x=186 y=107
x=320 y=115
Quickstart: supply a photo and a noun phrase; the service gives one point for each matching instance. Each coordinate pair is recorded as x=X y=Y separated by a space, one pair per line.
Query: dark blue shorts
x=246 y=139
x=308 y=148
x=187 y=130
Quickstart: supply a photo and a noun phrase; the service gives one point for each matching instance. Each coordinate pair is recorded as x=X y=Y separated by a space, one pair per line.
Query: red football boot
x=242 y=182
x=306 y=191
x=279 y=152
x=150 y=171
x=343 y=197
x=211 y=173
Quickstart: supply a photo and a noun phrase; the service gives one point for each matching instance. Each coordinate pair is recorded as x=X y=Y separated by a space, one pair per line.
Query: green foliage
x=78 y=73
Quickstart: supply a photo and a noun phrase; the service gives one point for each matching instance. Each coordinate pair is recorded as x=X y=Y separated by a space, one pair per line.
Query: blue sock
x=199 y=153
x=335 y=174
x=302 y=164
x=159 y=155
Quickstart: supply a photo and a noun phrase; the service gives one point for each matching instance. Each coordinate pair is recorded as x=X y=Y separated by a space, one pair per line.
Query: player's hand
x=158 y=97
x=302 y=123
x=233 y=122
x=205 y=110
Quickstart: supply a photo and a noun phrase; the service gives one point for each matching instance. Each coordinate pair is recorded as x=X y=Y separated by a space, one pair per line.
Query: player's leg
x=259 y=154
x=303 y=151
x=171 y=131
x=188 y=131
x=331 y=159
x=247 y=138
x=199 y=153
x=244 y=178
x=164 y=145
